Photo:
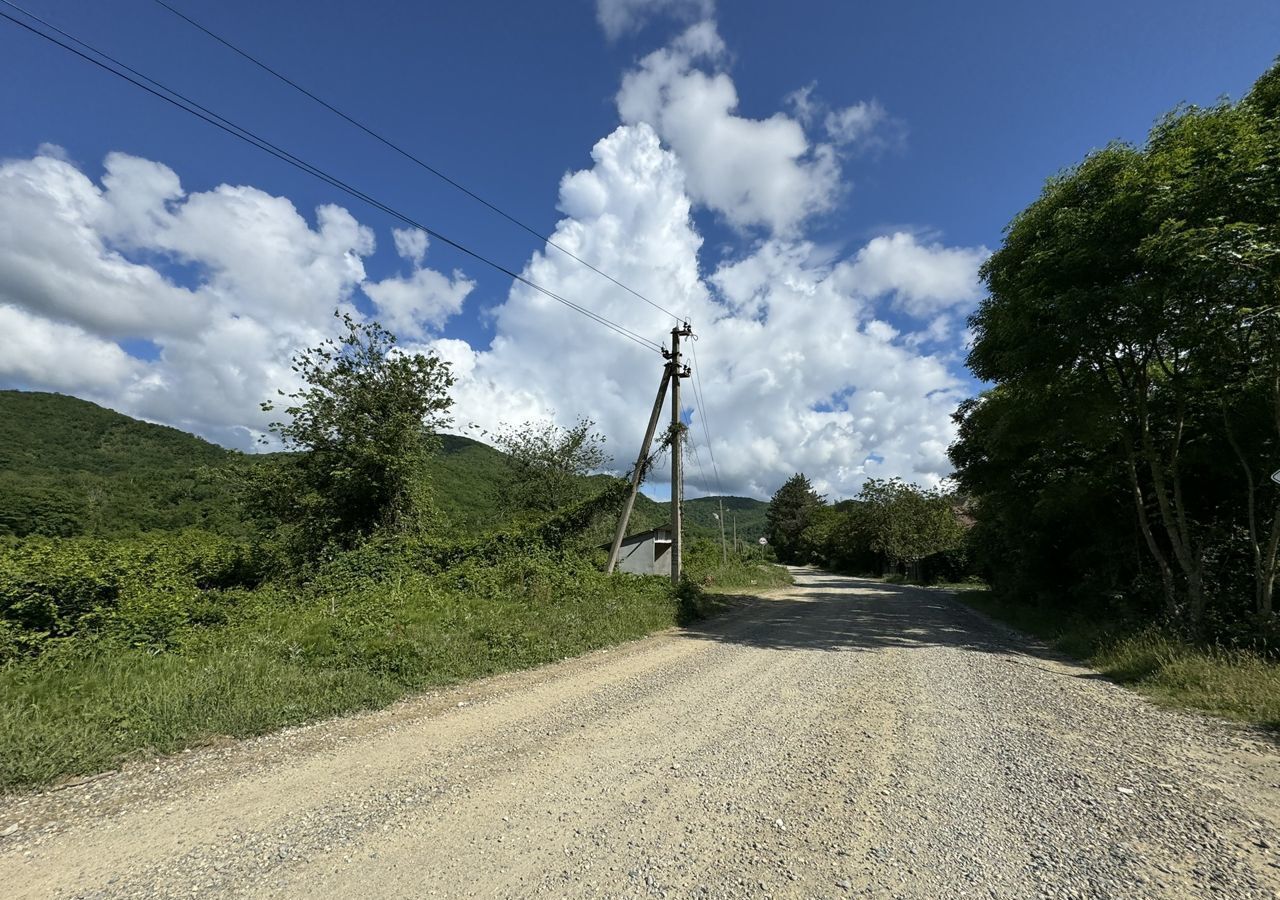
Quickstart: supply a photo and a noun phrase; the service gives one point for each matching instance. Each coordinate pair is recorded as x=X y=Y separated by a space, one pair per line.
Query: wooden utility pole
x=735 y=533
x=677 y=371
x=724 y=548
x=671 y=375
x=638 y=472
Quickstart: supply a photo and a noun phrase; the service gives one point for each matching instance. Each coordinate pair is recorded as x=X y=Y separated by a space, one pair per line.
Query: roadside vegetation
x=1114 y=485
x=1119 y=466
x=1118 y=471
x=892 y=529
x=716 y=569
x=326 y=579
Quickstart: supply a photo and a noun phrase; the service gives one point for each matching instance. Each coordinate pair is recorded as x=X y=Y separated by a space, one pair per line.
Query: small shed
x=647 y=552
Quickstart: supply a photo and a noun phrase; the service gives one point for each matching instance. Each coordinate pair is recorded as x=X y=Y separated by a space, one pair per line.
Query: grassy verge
x=278 y=657
x=741 y=576
x=1234 y=684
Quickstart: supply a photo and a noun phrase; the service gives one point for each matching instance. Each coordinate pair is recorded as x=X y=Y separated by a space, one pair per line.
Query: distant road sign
x=1275 y=476
x=763 y=541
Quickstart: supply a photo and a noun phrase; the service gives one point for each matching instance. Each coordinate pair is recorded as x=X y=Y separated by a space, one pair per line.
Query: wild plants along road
x=844 y=738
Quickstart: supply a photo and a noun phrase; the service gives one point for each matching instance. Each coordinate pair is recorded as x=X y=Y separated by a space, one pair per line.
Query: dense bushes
x=892 y=527
x=138 y=591
x=708 y=565
x=113 y=648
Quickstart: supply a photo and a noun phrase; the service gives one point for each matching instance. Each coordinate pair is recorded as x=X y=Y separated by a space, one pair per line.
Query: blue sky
x=976 y=104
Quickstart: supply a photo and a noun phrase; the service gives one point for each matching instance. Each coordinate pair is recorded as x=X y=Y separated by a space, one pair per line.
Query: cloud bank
x=185 y=308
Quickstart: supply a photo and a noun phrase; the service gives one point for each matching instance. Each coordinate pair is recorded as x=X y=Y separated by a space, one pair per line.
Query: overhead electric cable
x=702 y=405
x=697 y=459
x=407 y=155
x=190 y=106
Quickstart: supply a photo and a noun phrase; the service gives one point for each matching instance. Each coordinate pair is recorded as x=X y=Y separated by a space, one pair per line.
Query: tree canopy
x=546 y=466
x=364 y=421
x=1132 y=332
x=791 y=510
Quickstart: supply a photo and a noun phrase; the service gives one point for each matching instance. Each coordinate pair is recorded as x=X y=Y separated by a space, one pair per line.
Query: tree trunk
x=1166 y=573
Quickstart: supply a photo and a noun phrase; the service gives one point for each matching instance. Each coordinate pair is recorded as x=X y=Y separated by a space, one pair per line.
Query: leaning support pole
x=638 y=472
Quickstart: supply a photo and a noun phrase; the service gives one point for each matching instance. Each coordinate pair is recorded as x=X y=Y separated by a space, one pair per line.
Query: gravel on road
x=842 y=738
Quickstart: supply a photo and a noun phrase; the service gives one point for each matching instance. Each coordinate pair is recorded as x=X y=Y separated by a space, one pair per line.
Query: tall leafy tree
x=547 y=466
x=1131 y=331
x=360 y=428
x=793 y=508
x=906 y=523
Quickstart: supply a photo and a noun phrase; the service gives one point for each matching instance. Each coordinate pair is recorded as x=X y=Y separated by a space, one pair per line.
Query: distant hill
x=699 y=516
x=70 y=467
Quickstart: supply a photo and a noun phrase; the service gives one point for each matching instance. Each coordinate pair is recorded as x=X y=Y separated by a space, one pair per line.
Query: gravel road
x=842 y=738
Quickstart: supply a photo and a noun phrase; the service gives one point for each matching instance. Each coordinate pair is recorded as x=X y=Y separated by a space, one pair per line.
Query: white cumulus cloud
x=752 y=171
x=799 y=365
x=420 y=302
x=618 y=17
x=922 y=278
x=224 y=285
x=411 y=244
x=798 y=371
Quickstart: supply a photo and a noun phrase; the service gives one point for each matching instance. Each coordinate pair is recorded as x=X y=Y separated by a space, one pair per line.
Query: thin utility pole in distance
x=724 y=548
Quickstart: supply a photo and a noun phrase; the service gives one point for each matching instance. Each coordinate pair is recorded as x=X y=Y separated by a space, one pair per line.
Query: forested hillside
x=69 y=467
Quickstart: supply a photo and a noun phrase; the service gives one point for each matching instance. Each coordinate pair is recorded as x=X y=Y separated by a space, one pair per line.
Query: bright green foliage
x=138 y=592
x=1133 y=336
x=363 y=424
x=706 y=565
x=283 y=655
x=461 y=476
x=907 y=523
x=893 y=528
x=547 y=466
x=791 y=510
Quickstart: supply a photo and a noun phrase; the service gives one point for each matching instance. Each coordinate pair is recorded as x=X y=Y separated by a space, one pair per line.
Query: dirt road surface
x=843 y=738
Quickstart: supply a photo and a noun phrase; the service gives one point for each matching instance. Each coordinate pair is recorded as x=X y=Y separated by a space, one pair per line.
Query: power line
x=406 y=154
x=190 y=106
x=702 y=404
x=697 y=459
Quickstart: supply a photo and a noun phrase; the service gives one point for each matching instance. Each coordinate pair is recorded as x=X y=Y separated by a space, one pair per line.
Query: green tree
x=361 y=428
x=547 y=466
x=906 y=523
x=792 y=509
x=1131 y=331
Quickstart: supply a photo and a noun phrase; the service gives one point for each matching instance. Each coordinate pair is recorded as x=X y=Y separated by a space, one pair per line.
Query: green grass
x=84 y=705
x=1235 y=684
x=743 y=577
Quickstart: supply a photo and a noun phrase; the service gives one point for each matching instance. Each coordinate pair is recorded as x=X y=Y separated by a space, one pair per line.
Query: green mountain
x=70 y=467
x=699 y=517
